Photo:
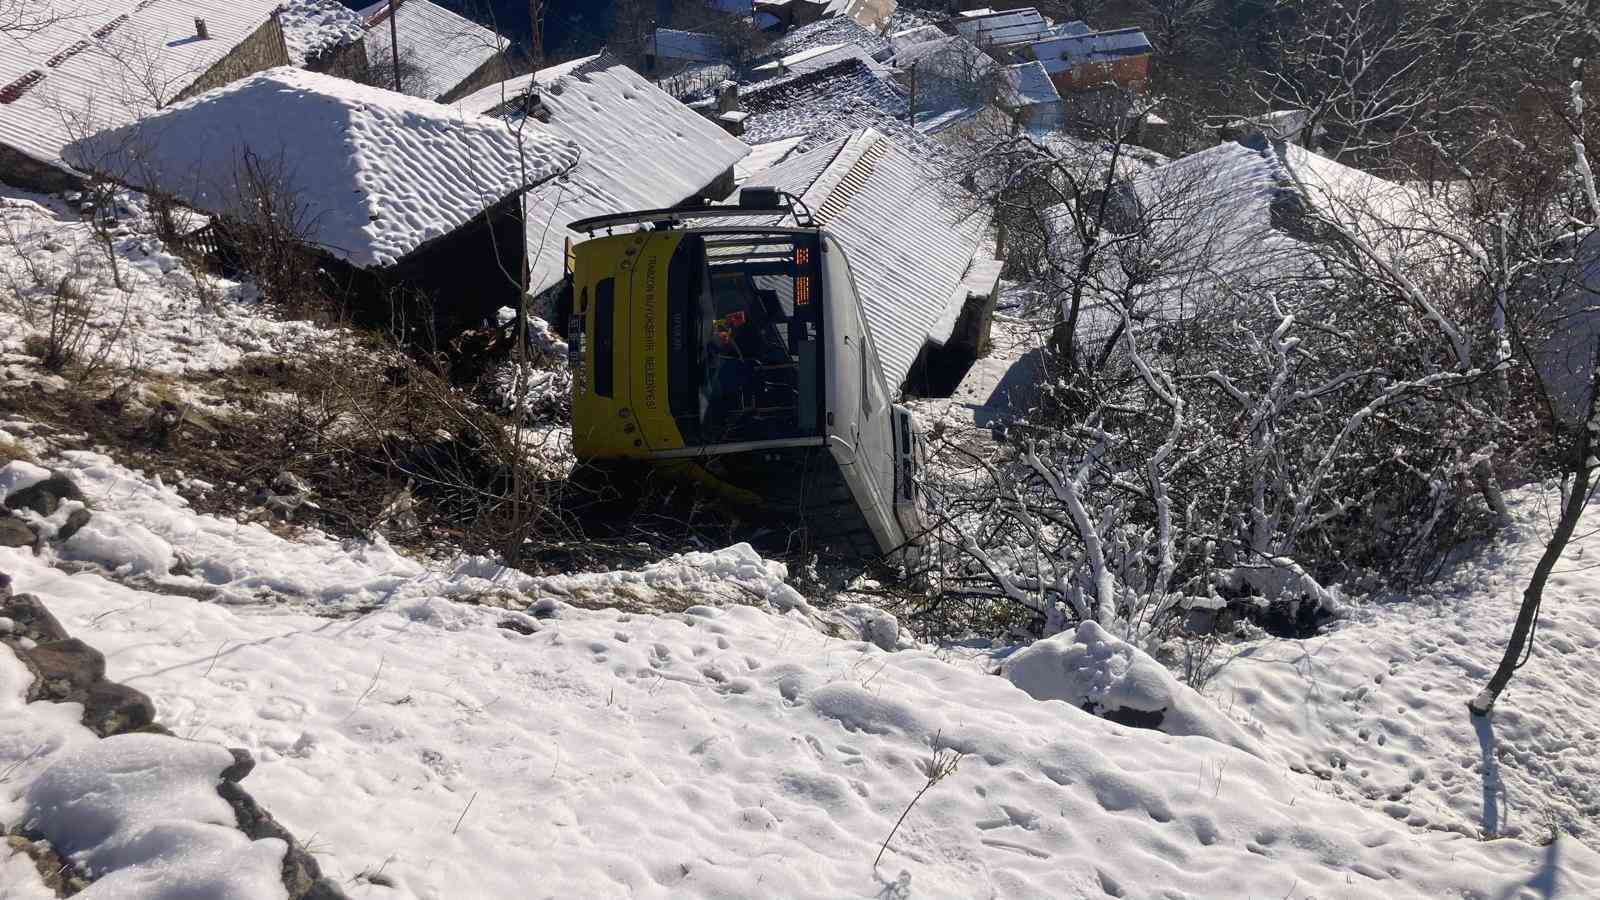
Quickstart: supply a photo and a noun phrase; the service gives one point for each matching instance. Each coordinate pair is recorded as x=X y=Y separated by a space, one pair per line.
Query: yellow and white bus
x=737 y=356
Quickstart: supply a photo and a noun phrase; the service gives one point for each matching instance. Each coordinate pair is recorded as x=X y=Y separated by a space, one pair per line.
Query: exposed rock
x=110 y=708
x=66 y=669
x=63 y=670
x=31 y=619
x=243 y=765
x=45 y=497
x=75 y=520
x=302 y=877
x=57 y=874
x=16 y=533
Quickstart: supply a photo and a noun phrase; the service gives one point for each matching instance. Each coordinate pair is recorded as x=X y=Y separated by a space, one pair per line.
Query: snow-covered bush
x=1115 y=680
x=1255 y=390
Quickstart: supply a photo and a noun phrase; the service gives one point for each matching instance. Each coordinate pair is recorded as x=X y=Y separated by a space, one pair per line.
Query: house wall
x=1128 y=72
x=348 y=61
x=494 y=70
x=21 y=170
x=263 y=49
x=462 y=278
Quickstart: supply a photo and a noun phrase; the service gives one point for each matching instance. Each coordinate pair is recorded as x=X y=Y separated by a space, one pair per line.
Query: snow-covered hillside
x=459 y=731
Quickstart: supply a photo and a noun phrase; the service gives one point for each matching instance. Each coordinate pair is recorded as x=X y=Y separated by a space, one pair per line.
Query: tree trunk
x=1571 y=512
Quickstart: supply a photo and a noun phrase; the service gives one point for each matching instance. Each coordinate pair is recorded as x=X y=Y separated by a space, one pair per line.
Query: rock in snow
x=1111 y=678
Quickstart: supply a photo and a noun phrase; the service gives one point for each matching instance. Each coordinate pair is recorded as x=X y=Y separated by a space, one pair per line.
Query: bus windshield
x=746 y=338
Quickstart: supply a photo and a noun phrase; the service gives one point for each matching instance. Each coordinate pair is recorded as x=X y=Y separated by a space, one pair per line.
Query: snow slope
x=167 y=321
x=1377 y=707
x=457 y=750
x=141 y=810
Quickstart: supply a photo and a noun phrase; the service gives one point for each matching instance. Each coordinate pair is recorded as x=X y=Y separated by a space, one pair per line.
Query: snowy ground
x=459 y=732
x=163 y=320
x=1376 y=707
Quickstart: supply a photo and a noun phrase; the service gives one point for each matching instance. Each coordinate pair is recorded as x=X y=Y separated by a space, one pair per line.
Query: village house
x=790 y=14
x=325 y=36
x=90 y=70
x=442 y=57
x=639 y=149
x=820 y=106
x=1092 y=59
x=401 y=200
x=1002 y=33
x=1031 y=97
x=919 y=253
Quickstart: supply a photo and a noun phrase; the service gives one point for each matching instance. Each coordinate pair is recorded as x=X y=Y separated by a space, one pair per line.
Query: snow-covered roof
x=640 y=149
x=312 y=28
x=1072 y=50
x=763 y=157
x=438 y=49
x=1031 y=84
x=1003 y=29
x=873 y=14
x=669 y=43
x=823 y=105
x=379 y=173
x=79 y=74
x=1220 y=221
x=821 y=57
x=914 y=247
x=826 y=32
x=488 y=100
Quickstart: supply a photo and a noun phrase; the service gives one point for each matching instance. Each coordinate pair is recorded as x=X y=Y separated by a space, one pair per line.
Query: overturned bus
x=737 y=356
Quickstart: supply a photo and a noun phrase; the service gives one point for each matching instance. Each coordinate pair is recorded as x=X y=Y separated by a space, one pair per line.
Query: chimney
x=727 y=97
x=200 y=30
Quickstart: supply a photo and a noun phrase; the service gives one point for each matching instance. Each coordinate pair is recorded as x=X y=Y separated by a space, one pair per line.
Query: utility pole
x=536 y=41
x=394 y=44
x=914 y=94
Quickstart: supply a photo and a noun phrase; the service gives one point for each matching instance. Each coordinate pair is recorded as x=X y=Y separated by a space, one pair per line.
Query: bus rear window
x=758 y=323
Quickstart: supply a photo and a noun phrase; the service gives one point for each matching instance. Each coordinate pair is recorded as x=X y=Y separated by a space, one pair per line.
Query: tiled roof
x=72 y=77
x=378 y=173
x=440 y=48
x=913 y=244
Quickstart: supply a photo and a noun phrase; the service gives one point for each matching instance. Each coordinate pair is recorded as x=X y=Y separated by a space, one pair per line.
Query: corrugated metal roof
x=440 y=48
x=1031 y=84
x=826 y=55
x=911 y=242
x=1068 y=51
x=668 y=43
x=1004 y=29
x=378 y=173
x=641 y=149
x=89 y=70
x=763 y=157
x=488 y=100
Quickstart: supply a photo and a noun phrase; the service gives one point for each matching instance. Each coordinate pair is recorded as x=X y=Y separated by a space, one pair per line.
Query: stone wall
x=21 y=170
x=348 y=61
x=494 y=70
x=263 y=49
